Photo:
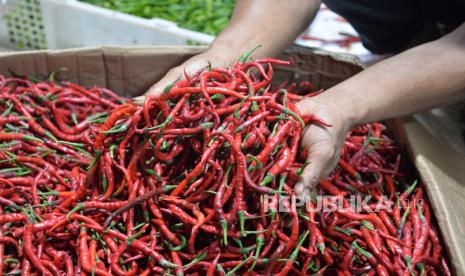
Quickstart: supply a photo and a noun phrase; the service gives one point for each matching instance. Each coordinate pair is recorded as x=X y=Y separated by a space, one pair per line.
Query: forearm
x=422 y=78
x=274 y=24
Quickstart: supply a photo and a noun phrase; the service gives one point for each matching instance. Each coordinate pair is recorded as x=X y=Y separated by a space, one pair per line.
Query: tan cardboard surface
x=132 y=70
x=128 y=71
x=443 y=172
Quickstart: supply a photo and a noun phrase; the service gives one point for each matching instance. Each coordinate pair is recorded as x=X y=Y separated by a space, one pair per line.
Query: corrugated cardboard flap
x=442 y=170
x=132 y=70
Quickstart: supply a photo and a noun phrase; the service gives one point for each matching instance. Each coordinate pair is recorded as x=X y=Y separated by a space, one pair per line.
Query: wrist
x=350 y=113
x=223 y=54
x=333 y=108
x=218 y=58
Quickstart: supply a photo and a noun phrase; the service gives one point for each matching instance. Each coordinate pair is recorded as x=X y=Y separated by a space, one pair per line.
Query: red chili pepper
x=212 y=268
x=331 y=189
x=383 y=215
x=293 y=256
x=349 y=169
x=420 y=242
x=29 y=252
x=251 y=121
x=172 y=178
x=117 y=114
x=176 y=260
x=445 y=267
x=273 y=142
x=281 y=164
x=293 y=239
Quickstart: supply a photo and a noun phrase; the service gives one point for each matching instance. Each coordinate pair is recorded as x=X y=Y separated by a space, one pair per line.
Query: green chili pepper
x=7 y=110
x=361 y=250
x=74 y=118
x=367 y=225
x=162 y=125
x=402 y=223
x=282 y=181
x=246 y=56
x=116 y=129
x=206 y=125
x=51 y=136
x=275 y=150
x=293 y=114
x=78 y=207
x=97 y=155
x=135 y=236
x=300 y=170
x=180 y=246
x=236 y=268
x=411 y=187
x=52 y=76
x=258 y=166
x=10 y=260
x=260 y=242
x=236 y=111
x=284 y=92
x=342 y=230
x=104 y=183
x=294 y=253
x=216 y=97
x=275 y=128
x=197 y=259
x=77 y=145
x=167 y=89
x=112 y=150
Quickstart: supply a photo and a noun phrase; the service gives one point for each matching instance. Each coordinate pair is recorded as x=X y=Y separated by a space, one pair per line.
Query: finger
x=191 y=66
x=139 y=100
x=301 y=190
x=318 y=164
x=157 y=88
x=169 y=79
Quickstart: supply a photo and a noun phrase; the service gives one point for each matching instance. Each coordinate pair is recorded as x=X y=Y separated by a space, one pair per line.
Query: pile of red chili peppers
x=192 y=183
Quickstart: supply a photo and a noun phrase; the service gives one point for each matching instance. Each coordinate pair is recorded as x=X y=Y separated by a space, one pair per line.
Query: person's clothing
x=390 y=26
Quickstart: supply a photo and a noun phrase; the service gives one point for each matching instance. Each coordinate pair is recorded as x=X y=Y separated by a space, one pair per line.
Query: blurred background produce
x=42 y=24
x=206 y=16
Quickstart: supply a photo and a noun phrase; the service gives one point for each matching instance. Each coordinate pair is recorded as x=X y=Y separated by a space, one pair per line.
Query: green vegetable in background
x=206 y=16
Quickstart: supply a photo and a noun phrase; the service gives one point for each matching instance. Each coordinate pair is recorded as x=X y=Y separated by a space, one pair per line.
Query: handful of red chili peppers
x=193 y=183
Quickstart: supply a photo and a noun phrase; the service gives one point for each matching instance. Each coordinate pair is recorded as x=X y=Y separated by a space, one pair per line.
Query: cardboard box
x=131 y=70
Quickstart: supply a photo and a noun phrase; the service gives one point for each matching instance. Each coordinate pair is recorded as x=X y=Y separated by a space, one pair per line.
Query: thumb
x=157 y=89
x=318 y=164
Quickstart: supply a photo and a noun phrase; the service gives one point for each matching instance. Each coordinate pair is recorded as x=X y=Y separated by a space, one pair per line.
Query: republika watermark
x=327 y=203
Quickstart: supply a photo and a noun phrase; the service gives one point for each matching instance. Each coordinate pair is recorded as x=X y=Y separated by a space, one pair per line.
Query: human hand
x=191 y=66
x=323 y=143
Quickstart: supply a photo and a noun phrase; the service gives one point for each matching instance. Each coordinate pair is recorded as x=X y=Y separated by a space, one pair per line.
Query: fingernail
x=305 y=192
x=312 y=192
x=300 y=189
x=138 y=98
